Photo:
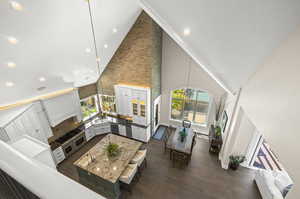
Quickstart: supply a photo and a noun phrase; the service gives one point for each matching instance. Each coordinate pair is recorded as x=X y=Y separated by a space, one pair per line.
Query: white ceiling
x=231 y=38
x=53 y=36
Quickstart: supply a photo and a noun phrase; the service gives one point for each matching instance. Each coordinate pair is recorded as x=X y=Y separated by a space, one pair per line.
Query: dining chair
x=166 y=138
x=128 y=176
x=179 y=157
x=193 y=144
x=140 y=159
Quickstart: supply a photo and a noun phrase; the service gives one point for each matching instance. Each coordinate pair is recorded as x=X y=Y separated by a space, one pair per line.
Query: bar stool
x=127 y=176
x=140 y=160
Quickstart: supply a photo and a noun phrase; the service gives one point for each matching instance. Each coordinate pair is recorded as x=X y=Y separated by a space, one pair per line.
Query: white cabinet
x=102 y=129
x=58 y=155
x=140 y=133
x=122 y=129
x=139 y=107
x=123 y=100
x=135 y=102
x=63 y=107
x=31 y=121
x=89 y=133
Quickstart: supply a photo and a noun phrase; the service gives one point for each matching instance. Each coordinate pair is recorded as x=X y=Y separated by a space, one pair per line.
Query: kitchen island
x=101 y=173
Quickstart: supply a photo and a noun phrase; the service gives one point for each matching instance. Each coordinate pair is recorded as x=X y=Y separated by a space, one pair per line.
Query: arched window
x=190 y=104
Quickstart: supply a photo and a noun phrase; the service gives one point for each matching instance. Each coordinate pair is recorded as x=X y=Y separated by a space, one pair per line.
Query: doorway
x=156 y=114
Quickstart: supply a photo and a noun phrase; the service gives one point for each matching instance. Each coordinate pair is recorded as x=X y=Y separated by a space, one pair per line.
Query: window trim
x=193 y=123
x=100 y=102
x=97 y=106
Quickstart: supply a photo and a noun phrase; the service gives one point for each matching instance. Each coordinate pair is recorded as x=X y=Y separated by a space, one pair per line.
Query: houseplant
x=235 y=161
x=218 y=131
x=183 y=134
x=112 y=150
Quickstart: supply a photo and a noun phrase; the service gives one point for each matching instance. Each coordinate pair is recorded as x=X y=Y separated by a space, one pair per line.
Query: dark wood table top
x=174 y=142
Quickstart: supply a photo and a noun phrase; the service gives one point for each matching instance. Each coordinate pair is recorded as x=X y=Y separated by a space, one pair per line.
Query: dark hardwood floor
x=203 y=178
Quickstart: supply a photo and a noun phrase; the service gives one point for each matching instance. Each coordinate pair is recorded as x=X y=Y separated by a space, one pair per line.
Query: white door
x=156 y=114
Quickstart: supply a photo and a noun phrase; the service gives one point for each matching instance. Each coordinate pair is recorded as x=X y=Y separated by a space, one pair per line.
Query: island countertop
x=103 y=166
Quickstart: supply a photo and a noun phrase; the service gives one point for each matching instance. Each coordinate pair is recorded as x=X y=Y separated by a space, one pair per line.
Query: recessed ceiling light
x=42 y=79
x=115 y=30
x=41 y=88
x=16 y=5
x=88 y=50
x=105 y=46
x=9 y=84
x=186 y=31
x=11 y=64
x=12 y=40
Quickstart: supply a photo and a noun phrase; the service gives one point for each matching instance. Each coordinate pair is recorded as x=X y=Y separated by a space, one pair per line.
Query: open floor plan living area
x=144 y=99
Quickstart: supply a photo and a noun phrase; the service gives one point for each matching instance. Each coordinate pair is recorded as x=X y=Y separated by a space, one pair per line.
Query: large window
x=108 y=103
x=89 y=107
x=190 y=104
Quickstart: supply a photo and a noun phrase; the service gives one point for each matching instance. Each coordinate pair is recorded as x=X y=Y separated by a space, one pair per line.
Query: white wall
x=246 y=131
x=271 y=100
x=175 y=66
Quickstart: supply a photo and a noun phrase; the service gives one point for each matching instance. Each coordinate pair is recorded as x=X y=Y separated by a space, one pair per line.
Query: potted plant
x=218 y=131
x=182 y=135
x=235 y=161
x=112 y=150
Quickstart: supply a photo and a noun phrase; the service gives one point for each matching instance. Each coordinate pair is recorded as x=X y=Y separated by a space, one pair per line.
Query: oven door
x=68 y=149
x=78 y=142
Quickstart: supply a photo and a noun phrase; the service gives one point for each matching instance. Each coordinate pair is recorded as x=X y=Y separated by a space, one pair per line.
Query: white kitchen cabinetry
x=63 y=107
x=89 y=133
x=135 y=102
x=140 y=133
x=122 y=129
x=58 y=155
x=102 y=129
x=123 y=100
x=30 y=121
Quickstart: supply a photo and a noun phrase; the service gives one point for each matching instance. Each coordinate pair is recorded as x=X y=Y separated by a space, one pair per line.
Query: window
x=89 y=107
x=108 y=103
x=190 y=104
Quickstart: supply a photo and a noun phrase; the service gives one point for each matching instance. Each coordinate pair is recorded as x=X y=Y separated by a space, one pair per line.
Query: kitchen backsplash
x=63 y=128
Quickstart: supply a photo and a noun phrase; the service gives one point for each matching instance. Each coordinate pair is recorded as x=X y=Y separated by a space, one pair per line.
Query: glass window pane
x=176 y=112
x=188 y=112
x=89 y=107
x=108 y=103
x=201 y=112
x=178 y=94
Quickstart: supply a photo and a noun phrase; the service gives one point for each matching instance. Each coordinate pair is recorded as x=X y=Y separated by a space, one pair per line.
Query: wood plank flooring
x=203 y=178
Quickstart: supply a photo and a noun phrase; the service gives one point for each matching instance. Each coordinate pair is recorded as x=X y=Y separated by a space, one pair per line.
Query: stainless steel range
x=72 y=141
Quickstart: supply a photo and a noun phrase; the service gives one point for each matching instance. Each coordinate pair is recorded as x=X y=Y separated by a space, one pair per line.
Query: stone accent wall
x=88 y=90
x=138 y=59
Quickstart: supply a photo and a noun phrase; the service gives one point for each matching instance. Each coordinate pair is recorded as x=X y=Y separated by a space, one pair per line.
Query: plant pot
x=182 y=138
x=234 y=166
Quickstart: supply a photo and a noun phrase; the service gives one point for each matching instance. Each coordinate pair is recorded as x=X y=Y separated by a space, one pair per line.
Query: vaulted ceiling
x=50 y=44
x=231 y=38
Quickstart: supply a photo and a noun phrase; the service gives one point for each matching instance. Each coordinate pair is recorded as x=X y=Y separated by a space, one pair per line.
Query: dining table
x=174 y=141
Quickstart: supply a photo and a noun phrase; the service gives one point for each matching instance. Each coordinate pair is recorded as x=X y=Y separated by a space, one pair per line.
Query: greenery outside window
x=190 y=104
x=89 y=107
x=108 y=103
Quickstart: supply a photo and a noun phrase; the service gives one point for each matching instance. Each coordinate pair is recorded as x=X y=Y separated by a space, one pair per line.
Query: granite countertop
x=107 y=168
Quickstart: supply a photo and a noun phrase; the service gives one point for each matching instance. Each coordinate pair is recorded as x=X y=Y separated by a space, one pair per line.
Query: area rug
x=159 y=134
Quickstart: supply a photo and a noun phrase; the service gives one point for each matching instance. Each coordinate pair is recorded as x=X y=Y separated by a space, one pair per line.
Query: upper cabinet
x=31 y=121
x=134 y=102
x=62 y=107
